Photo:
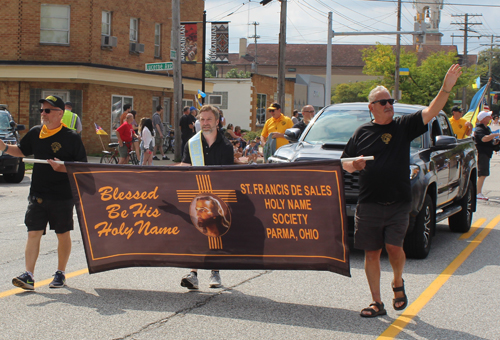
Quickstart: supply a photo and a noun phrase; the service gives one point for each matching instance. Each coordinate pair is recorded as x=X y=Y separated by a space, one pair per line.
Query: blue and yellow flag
x=476 y=105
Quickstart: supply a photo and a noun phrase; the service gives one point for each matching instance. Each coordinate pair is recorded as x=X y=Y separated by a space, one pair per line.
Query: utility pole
x=281 y=57
x=398 y=53
x=255 y=37
x=176 y=46
x=328 y=80
x=491 y=58
x=466 y=30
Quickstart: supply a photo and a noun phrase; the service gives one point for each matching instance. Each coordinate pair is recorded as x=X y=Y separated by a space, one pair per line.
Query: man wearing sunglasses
x=384 y=201
x=50 y=198
x=276 y=126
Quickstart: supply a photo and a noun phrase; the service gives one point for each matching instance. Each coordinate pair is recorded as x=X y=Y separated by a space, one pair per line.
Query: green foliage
x=353 y=92
x=210 y=69
x=424 y=81
x=233 y=73
x=484 y=61
x=252 y=134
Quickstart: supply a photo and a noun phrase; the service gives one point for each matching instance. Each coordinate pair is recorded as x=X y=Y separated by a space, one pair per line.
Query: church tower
x=429 y=16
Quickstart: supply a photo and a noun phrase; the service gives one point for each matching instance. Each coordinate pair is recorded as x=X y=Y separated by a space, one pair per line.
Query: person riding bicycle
x=125 y=134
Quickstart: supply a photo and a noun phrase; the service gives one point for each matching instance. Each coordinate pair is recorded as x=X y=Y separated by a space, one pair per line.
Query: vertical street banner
x=219 y=51
x=270 y=216
x=189 y=42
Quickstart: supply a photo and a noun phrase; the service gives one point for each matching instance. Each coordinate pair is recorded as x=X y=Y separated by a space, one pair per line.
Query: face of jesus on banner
x=210 y=215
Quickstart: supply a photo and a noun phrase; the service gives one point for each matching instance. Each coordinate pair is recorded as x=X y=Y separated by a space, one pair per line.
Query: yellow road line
x=397 y=326
x=472 y=230
x=41 y=283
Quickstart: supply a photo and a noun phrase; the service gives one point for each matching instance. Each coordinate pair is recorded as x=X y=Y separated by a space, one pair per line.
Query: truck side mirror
x=292 y=134
x=444 y=142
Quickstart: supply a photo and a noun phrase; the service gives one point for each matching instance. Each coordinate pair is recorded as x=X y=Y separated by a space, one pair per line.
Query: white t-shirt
x=147 y=138
x=197 y=125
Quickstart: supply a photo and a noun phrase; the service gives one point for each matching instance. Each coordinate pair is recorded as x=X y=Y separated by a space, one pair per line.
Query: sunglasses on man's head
x=48 y=110
x=383 y=102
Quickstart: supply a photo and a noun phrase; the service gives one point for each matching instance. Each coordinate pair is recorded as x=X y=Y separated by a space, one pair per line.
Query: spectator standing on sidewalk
x=187 y=125
x=71 y=119
x=461 y=127
x=485 y=145
x=158 y=133
x=125 y=134
x=50 y=197
x=307 y=114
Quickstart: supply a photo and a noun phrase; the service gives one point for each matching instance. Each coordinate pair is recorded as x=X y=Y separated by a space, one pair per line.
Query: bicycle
x=111 y=157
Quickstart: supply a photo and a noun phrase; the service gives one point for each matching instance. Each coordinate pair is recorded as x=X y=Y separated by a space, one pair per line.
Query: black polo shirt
x=220 y=153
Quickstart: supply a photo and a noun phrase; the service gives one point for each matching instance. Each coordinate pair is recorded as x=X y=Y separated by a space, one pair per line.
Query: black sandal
x=372 y=311
x=399 y=299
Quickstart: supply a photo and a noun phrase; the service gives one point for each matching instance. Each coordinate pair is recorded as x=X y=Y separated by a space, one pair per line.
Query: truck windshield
x=4 y=121
x=337 y=126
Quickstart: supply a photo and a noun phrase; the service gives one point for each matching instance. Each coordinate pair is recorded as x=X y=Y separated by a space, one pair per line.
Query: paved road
x=454 y=292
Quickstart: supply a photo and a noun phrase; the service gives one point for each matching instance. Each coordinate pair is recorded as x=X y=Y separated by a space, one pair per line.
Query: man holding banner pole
x=50 y=197
x=384 y=202
x=207 y=147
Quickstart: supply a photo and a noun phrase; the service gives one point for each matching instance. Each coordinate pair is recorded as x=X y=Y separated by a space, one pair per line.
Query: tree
x=484 y=61
x=424 y=81
x=210 y=69
x=233 y=73
x=353 y=92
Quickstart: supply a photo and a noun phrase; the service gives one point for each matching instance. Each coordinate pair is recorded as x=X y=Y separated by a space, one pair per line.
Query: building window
x=292 y=69
x=187 y=102
x=106 y=23
x=224 y=99
x=157 y=40
x=134 y=29
x=54 y=24
x=117 y=103
x=215 y=100
x=261 y=109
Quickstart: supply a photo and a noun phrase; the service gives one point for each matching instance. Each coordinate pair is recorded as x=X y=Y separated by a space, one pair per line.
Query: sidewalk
x=161 y=162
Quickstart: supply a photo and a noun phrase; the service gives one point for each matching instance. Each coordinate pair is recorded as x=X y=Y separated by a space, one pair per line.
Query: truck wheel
x=16 y=177
x=461 y=221
x=418 y=243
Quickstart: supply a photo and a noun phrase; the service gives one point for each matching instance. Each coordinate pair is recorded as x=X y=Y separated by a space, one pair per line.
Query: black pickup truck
x=12 y=168
x=442 y=169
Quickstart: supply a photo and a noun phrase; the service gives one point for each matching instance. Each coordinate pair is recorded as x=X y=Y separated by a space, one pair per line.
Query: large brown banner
x=270 y=216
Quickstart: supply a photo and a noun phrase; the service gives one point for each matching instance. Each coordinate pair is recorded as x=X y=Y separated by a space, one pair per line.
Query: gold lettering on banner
x=107 y=229
x=109 y=193
x=284 y=233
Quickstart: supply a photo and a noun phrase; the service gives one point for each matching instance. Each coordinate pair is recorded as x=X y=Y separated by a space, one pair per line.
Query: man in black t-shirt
x=50 y=197
x=485 y=145
x=215 y=150
x=384 y=202
x=186 y=124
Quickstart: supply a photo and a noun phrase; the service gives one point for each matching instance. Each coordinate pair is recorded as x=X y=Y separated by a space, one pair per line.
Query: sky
x=307 y=21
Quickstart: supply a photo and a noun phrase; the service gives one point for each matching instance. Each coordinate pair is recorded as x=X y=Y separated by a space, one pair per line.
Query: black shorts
x=59 y=215
x=483 y=165
x=378 y=224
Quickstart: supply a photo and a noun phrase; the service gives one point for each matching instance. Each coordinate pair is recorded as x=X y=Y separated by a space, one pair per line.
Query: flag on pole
x=99 y=130
x=477 y=84
x=476 y=105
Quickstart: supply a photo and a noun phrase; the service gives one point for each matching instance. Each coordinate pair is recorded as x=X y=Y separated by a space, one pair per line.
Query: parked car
x=442 y=169
x=12 y=168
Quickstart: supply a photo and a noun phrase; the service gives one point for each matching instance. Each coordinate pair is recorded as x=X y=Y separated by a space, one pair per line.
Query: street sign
x=457 y=101
x=173 y=55
x=160 y=66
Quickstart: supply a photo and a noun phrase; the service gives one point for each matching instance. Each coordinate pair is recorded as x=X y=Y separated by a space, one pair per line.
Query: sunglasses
x=270 y=110
x=48 y=110
x=383 y=102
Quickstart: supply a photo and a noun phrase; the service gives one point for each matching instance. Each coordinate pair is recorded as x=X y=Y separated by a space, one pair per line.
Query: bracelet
x=6 y=148
x=445 y=91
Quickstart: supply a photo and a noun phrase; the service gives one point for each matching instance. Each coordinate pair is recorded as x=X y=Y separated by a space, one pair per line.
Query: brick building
x=92 y=53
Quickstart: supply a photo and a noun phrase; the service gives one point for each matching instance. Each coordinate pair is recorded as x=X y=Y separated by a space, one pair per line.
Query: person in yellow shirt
x=276 y=126
x=461 y=127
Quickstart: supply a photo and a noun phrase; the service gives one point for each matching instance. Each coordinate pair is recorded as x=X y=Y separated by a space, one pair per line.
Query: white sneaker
x=215 y=281
x=480 y=196
x=190 y=281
